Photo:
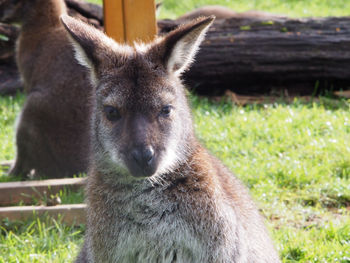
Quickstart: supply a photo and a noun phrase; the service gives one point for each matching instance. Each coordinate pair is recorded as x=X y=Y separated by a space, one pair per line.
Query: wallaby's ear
x=93 y=49
x=178 y=48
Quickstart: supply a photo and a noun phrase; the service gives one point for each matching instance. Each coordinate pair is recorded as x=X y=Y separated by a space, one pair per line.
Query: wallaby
x=222 y=12
x=219 y=11
x=154 y=194
x=53 y=129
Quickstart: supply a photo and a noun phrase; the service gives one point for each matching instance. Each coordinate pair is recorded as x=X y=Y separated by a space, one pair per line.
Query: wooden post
x=127 y=21
x=114 y=19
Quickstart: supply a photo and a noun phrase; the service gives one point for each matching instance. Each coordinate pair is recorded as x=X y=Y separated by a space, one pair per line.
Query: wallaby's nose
x=143 y=156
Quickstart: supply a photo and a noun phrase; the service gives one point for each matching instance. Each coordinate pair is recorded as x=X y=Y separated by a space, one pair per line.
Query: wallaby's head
x=141 y=120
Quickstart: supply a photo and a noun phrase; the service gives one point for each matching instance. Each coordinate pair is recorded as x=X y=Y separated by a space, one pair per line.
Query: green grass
x=295 y=158
x=9 y=109
x=38 y=241
x=292 y=8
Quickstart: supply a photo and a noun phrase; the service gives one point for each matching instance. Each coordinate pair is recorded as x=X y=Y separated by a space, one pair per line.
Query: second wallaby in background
x=53 y=129
x=222 y=12
x=154 y=194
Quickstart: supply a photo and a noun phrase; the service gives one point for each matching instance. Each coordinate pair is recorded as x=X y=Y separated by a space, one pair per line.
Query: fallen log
x=249 y=54
x=253 y=55
x=87 y=10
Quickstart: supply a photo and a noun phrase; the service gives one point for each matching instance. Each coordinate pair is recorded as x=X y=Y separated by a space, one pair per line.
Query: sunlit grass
x=293 y=8
x=9 y=109
x=302 y=8
x=40 y=240
x=295 y=158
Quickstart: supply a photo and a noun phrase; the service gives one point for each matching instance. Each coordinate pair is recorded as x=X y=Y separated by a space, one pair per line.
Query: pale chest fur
x=149 y=224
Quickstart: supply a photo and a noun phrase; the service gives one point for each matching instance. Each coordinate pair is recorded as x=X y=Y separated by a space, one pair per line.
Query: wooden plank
x=69 y=214
x=130 y=20
x=114 y=19
x=27 y=191
x=139 y=20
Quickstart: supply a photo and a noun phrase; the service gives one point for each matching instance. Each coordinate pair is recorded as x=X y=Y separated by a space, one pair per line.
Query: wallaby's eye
x=112 y=113
x=166 y=110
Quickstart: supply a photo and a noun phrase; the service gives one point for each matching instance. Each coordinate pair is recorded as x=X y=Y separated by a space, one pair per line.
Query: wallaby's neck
x=42 y=14
x=197 y=164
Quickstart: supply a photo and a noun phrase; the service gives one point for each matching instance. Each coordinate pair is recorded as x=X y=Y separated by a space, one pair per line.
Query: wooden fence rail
x=68 y=214
x=28 y=191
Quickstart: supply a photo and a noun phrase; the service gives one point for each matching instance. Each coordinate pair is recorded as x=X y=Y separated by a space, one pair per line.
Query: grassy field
x=293 y=8
x=295 y=158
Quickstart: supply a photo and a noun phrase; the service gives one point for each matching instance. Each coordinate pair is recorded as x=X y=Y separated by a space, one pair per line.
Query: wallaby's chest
x=164 y=241
x=150 y=227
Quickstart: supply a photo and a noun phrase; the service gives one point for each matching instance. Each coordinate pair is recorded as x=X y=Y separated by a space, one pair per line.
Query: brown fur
x=52 y=134
x=222 y=12
x=183 y=205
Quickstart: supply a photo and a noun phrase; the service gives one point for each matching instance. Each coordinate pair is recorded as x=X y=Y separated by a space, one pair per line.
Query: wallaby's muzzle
x=140 y=152
x=143 y=161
